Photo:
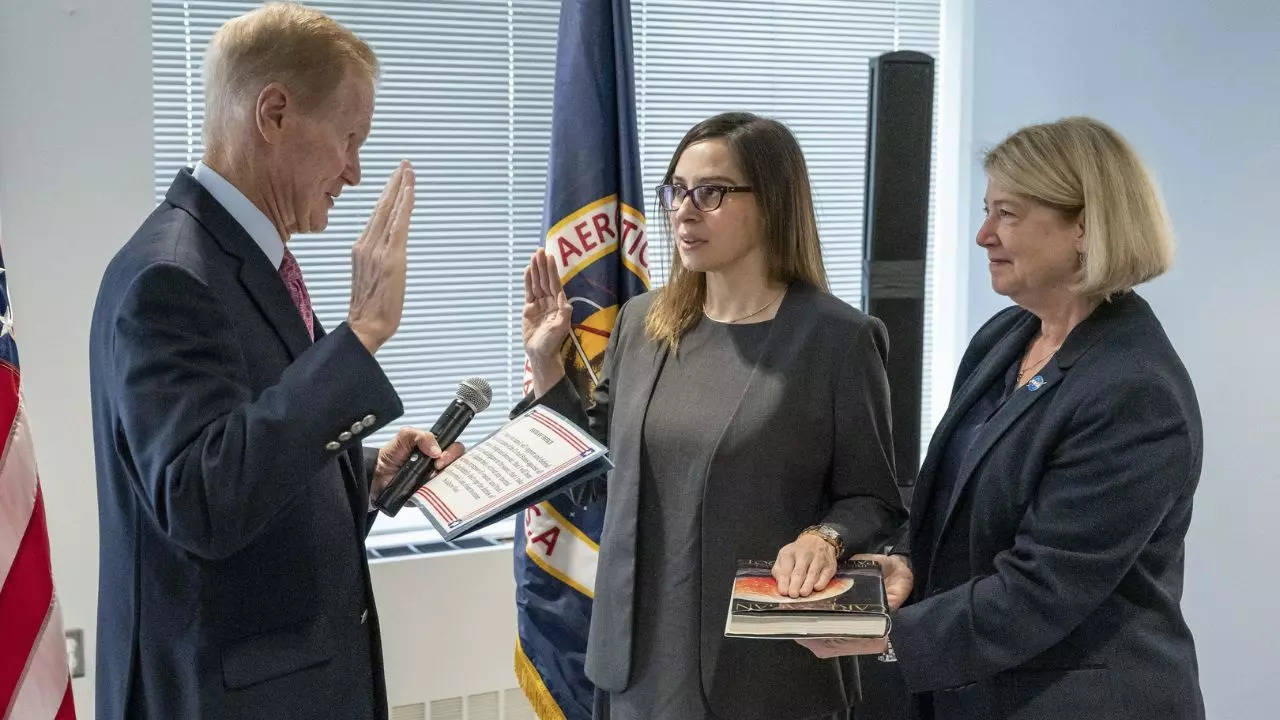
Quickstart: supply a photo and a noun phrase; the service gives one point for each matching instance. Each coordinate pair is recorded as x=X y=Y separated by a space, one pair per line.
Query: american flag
x=35 y=683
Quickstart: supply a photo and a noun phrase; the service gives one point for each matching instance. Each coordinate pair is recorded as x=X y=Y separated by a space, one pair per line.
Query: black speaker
x=894 y=245
x=895 y=231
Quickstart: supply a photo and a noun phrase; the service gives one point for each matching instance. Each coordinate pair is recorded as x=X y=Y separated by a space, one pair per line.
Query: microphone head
x=475 y=393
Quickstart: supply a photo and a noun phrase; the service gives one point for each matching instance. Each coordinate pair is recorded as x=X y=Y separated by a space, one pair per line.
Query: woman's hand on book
x=804 y=566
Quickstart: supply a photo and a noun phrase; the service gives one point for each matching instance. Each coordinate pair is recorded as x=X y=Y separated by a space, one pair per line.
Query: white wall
x=75 y=182
x=448 y=625
x=1195 y=86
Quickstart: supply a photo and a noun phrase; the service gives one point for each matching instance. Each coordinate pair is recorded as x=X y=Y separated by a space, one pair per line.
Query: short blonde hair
x=302 y=48
x=1085 y=170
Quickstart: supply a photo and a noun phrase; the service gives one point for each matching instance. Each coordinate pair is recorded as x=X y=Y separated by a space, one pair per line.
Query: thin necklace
x=748 y=315
x=1026 y=369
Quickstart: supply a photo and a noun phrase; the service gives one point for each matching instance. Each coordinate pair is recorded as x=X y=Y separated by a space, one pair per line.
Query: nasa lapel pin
x=1035 y=383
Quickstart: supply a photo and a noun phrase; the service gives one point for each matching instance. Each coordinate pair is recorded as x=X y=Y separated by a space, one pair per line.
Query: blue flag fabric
x=595 y=229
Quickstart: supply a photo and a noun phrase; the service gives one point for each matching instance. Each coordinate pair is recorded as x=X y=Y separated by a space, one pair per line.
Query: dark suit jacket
x=234 y=582
x=810 y=441
x=1053 y=590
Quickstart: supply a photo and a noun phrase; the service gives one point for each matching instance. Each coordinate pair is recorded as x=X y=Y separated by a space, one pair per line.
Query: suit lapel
x=634 y=404
x=271 y=297
x=264 y=285
x=1022 y=399
x=632 y=411
x=256 y=274
x=775 y=343
x=996 y=362
x=1078 y=342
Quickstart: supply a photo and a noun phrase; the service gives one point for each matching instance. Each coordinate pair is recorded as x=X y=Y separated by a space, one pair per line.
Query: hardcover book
x=852 y=605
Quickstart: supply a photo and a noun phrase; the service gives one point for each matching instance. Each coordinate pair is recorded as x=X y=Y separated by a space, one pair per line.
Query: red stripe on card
x=548 y=422
x=434 y=502
x=574 y=442
x=440 y=507
x=448 y=509
x=444 y=510
x=24 y=602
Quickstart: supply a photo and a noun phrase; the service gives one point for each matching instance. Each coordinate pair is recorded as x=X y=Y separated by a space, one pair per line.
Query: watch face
x=827 y=534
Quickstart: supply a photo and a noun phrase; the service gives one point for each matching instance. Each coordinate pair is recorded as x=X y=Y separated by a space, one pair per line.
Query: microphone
x=473 y=396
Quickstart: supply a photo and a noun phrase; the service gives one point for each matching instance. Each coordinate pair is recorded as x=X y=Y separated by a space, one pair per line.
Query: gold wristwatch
x=828 y=533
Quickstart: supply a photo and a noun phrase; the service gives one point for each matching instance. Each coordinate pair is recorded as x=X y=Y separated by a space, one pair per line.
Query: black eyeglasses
x=705 y=197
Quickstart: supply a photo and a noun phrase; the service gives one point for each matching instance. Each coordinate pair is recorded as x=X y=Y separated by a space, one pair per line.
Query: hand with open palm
x=547 y=320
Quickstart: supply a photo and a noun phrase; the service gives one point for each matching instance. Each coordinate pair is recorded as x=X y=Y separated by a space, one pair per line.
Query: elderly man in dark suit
x=233 y=488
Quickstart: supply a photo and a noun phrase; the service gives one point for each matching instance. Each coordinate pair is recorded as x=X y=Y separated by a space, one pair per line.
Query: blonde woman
x=747 y=410
x=1048 y=520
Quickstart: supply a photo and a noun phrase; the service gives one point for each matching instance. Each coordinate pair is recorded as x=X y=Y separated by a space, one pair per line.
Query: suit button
x=344 y=436
x=368 y=421
x=331 y=446
x=357 y=426
x=364 y=615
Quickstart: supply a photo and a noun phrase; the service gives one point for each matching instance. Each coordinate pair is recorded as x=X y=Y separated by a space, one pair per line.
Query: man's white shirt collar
x=253 y=220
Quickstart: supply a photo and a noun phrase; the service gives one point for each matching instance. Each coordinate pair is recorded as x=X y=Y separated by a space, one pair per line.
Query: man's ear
x=269 y=112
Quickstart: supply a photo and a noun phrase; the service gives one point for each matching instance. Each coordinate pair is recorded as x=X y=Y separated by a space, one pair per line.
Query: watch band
x=828 y=533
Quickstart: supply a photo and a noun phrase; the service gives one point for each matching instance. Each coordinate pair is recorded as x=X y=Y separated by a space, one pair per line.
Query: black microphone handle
x=419 y=468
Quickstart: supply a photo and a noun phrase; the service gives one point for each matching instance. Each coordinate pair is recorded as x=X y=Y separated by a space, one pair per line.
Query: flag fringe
x=535 y=690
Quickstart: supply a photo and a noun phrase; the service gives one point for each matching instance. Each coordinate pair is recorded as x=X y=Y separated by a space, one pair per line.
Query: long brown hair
x=775 y=169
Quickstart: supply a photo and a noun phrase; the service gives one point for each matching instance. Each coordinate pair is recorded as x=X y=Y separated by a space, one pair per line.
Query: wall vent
x=414 y=711
x=509 y=704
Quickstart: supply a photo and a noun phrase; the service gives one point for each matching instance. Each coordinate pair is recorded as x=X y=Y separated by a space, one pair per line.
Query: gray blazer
x=809 y=442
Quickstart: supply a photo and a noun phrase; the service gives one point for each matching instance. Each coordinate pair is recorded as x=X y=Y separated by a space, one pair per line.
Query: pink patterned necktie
x=292 y=276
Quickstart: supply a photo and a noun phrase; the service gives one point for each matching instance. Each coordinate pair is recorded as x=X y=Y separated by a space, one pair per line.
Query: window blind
x=466 y=95
x=803 y=62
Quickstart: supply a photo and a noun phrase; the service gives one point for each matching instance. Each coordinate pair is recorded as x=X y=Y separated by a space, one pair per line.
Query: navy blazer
x=232 y=485
x=809 y=441
x=1053 y=588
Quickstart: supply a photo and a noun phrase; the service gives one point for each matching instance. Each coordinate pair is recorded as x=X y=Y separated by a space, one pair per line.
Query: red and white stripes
x=34 y=680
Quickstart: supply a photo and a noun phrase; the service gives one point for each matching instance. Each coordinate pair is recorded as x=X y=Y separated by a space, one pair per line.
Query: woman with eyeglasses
x=747 y=411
